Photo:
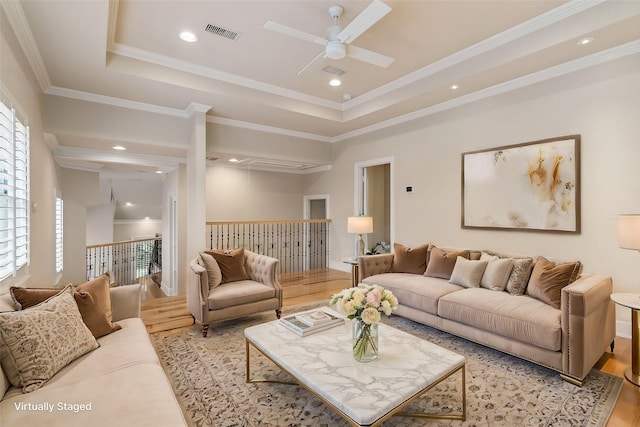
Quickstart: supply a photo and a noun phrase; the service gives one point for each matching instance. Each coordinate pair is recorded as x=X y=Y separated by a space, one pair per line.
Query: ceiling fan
x=337 y=45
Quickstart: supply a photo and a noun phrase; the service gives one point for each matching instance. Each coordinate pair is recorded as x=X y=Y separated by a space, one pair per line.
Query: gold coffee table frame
x=392 y=413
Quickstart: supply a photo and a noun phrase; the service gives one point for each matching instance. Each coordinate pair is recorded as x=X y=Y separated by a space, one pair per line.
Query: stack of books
x=311 y=322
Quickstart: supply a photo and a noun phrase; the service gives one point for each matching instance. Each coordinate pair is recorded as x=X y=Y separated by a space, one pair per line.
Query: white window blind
x=59 y=233
x=14 y=192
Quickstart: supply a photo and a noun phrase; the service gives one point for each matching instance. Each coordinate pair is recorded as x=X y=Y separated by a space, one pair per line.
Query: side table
x=632 y=301
x=355 y=270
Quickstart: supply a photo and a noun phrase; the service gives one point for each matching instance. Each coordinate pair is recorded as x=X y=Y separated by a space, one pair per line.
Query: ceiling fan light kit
x=335 y=50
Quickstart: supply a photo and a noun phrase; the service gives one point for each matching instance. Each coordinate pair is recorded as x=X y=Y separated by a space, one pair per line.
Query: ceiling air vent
x=222 y=32
x=333 y=70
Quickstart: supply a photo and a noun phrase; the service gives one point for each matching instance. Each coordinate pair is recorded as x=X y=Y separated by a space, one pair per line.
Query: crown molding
x=191 y=68
x=598 y=58
x=85 y=154
x=136 y=221
x=115 y=102
x=268 y=129
x=20 y=25
x=536 y=24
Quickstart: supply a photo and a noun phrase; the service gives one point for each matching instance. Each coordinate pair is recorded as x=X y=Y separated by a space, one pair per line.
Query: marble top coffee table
x=365 y=394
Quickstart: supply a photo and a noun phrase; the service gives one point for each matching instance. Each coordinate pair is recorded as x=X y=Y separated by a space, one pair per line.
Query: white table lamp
x=360 y=225
x=629 y=231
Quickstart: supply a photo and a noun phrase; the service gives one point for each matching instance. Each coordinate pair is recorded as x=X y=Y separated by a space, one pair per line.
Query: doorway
x=374 y=196
x=316 y=207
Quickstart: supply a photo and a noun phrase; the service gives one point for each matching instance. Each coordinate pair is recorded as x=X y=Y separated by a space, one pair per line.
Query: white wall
x=245 y=194
x=127 y=229
x=19 y=87
x=100 y=226
x=602 y=104
x=80 y=189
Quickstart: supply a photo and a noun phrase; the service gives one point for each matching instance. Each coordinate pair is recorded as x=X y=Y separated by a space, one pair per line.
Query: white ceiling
x=126 y=52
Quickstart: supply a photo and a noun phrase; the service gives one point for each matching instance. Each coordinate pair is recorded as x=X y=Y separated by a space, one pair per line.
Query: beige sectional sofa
x=120 y=383
x=567 y=333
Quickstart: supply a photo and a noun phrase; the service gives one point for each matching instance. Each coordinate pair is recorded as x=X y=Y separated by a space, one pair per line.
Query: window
x=14 y=192
x=59 y=232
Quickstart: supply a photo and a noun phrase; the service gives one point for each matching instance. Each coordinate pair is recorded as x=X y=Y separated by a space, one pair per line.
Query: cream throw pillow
x=37 y=342
x=497 y=273
x=467 y=273
x=213 y=270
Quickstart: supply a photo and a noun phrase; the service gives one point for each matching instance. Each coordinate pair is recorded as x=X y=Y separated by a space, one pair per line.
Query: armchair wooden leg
x=612 y=345
x=278 y=313
x=205 y=329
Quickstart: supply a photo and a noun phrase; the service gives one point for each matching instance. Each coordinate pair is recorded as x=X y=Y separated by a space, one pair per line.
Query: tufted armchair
x=209 y=302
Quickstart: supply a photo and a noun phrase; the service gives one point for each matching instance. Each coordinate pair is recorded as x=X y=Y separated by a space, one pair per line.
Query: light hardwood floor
x=161 y=313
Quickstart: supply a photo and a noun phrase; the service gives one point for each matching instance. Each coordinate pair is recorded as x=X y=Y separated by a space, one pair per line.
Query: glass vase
x=365 y=341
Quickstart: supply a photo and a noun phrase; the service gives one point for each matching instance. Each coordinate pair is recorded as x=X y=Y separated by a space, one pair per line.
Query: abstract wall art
x=529 y=186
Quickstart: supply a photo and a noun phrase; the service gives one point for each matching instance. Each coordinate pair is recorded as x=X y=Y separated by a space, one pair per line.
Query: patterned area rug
x=208 y=377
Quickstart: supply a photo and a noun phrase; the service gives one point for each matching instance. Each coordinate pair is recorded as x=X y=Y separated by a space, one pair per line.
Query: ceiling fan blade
x=288 y=31
x=311 y=62
x=367 y=18
x=369 y=56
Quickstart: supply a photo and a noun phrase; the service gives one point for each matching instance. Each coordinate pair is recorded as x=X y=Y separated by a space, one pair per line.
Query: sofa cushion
x=409 y=260
x=521 y=318
x=441 y=262
x=413 y=290
x=231 y=264
x=6 y=303
x=497 y=273
x=37 y=342
x=122 y=380
x=548 y=279
x=214 y=275
x=467 y=273
x=237 y=293
x=92 y=297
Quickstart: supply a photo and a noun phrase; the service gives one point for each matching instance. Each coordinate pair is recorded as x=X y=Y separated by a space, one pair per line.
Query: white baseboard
x=167 y=289
x=623 y=329
x=341 y=266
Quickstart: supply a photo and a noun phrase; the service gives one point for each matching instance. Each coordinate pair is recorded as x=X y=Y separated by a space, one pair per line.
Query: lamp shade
x=360 y=224
x=629 y=231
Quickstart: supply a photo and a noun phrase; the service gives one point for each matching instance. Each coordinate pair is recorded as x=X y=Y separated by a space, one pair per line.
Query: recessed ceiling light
x=147 y=218
x=454 y=87
x=335 y=82
x=119 y=148
x=128 y=204
x=158 y=171
x=234 y=160
x=188 y=36
x=585 y=41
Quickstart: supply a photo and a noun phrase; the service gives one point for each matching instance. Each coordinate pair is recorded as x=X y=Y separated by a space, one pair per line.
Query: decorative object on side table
x=364 y=305
x=360 y=225
x=629 y=238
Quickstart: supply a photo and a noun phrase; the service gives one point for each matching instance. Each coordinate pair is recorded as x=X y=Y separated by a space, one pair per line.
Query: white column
x=196 y=207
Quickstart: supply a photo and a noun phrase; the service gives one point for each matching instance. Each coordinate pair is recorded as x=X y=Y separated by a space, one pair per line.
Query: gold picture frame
x=533 y=186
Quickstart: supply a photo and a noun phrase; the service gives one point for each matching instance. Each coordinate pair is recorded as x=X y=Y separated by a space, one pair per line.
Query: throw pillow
x=231 y=264
x=467 y=273
x=497 y=273
x=37 y=342
x=519 y=276
x=409 y=260
x=213 y=270
x=548 y=279
x=92 y=297
x=441 y=263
